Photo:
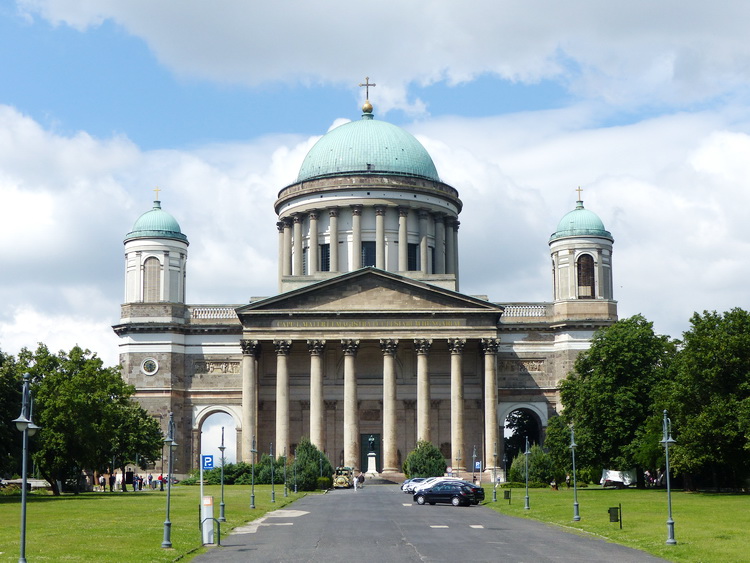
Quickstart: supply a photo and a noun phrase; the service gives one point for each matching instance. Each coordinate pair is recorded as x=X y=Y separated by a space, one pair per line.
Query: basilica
x=369 y=334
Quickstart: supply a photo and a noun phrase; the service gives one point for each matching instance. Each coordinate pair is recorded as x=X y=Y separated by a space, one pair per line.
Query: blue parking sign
x=208 y=461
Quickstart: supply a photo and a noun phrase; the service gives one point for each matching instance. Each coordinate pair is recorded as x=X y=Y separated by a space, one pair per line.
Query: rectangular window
x=413 y=257
x=304 y=261
x=325 y=257
x=368 y=253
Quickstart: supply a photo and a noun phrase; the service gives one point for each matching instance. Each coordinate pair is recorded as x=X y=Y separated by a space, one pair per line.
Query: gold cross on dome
x=157 y=190
x=367 y=85
x=579 y=190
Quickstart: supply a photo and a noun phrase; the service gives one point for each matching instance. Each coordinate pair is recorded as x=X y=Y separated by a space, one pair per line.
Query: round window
x=149 y=366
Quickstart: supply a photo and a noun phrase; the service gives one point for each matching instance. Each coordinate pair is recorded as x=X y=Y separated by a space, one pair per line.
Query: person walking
x=112 y=480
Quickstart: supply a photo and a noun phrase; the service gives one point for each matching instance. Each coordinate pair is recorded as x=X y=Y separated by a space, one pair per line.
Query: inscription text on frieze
x=368 y=323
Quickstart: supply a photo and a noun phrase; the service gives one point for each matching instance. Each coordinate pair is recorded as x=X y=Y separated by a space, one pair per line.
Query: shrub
x=324 y=483
x=424 y=461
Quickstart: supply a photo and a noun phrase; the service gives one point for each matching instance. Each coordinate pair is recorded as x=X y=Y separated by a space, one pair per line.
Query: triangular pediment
x=371 y=290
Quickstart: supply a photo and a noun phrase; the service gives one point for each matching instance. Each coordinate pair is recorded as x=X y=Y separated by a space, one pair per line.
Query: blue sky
x=643 y=104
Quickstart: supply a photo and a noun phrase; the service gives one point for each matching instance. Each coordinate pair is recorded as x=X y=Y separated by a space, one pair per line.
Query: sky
x=644 y=105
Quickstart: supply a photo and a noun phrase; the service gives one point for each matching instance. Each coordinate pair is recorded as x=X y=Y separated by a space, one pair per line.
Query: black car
x=476 y=489
x=451 y=492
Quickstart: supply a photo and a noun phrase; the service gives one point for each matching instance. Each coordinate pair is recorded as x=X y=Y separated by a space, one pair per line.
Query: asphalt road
x=379 y=523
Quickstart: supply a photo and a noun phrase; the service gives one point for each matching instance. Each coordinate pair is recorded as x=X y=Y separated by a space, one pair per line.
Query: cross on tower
x=579 y=190
x=367 y=85
x=157 y=190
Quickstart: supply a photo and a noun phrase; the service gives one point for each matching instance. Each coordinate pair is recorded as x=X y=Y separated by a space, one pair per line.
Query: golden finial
x=157 y=190
x=367 y=106
x=579 y=190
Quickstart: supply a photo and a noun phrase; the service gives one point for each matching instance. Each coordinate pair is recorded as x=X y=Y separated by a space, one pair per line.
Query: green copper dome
x=580 y=222
x=367 y=146
x=156 y=224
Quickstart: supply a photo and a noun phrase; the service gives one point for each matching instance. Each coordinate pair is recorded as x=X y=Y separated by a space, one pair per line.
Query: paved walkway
x=379 y=523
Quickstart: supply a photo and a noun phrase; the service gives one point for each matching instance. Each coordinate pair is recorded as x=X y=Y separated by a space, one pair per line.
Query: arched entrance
x=208 y=428
x=517 y=421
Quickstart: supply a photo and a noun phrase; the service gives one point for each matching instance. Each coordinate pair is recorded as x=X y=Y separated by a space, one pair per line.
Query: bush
x=540 y=467
x=324 y=483
x=424 y=461
x=308 y=462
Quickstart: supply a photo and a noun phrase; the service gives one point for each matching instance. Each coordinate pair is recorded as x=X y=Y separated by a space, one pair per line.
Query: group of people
x=138 y=482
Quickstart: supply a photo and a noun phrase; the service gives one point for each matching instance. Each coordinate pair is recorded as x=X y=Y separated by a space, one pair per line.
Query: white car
x=432 y=481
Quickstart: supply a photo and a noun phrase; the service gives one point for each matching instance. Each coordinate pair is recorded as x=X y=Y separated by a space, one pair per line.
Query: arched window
x=151 y=280
x=586 y=277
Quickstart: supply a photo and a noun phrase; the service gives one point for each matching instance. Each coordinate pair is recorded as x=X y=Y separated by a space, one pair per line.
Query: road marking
x=408 y=504
x=285 y=513
x=478 y=526
x=438 y=526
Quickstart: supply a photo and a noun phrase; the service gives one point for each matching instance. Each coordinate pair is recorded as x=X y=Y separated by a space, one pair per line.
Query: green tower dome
x=580 y=222
x=367 y=146
x=156 y=223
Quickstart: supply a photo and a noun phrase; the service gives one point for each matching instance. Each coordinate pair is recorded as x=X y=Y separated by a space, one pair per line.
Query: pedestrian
x=102 y=483
x=150 y=481
x=161 y=482
x=355 y=481
x=567 y=479
x=361 y=480
x=112 y=480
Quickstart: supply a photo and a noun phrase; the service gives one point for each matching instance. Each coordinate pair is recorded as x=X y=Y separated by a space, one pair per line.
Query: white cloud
x=630 y=53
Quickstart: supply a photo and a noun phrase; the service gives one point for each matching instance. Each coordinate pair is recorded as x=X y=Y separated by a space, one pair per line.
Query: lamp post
x=27 y=427
x=295 y=471
x=253 y=451
x=286 y=489
x=494 y=476
x=321 y=464
x=473 y=464
x=171 y=444
x=667 y=439
x=273 y=488
x=458 y=464
x=221 y=504
x=576 y=516
x=526 y=455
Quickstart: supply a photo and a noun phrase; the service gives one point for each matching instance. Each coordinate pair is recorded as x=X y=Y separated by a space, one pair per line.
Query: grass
x=708 y=527
x=123 y=527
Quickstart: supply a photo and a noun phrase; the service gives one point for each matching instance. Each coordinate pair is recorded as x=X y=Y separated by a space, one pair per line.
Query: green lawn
x=122 y=527
x=708 y=527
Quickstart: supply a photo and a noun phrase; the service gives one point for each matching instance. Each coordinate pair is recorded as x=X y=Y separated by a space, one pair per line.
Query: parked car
x=476 y=489
x=408 y=485
x=433 y=480
x=451 y=492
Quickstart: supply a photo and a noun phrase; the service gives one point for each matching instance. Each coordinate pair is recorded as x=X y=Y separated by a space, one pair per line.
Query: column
x=312 y=253
x=423 y=254
x=351 y=414
x=282 y=396
x=456 y=347
x=403 y=239
x=355 y=260
x=333 y=238
x=317 y=433
x=297 y=270
x=422 y=345
x=280 y=227
x=492 y=441
x=380 y=237
x=287 y=268
x=439 y=243
x=250 y=350
x=450 y=246
x=390 y=444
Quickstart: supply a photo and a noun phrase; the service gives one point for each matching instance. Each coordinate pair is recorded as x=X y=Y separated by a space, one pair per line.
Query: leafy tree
x=424 y=461
x=10 y=408
x=522 y=423
x=709 y=400
x=610 y=394
x=540 y=467
x=85 y=413
x=307 y=461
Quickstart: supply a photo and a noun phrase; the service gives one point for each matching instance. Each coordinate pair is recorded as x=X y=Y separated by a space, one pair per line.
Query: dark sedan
x=453 y=493
x=476 y=489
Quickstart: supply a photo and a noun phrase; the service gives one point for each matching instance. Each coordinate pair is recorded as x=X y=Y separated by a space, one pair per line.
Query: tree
x=709 y=400
x=135 y=436
x=610 y=394
x=424 y=461
x=10 y=408
x=540 y=467
x=85 y=413
x=522 y=424
x=307 y=461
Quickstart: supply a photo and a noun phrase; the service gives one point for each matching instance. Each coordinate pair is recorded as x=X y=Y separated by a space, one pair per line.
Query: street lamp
x=26 y=426
x=576 y=516
x=473 y=464
x=253 y=451
x=221 y=504
x=526 y=455
x=171 y=444
x=273 y=488
x=286 y=490
x=458 y=464
x=667 y=439
x=494 y=476
x=295 y=471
